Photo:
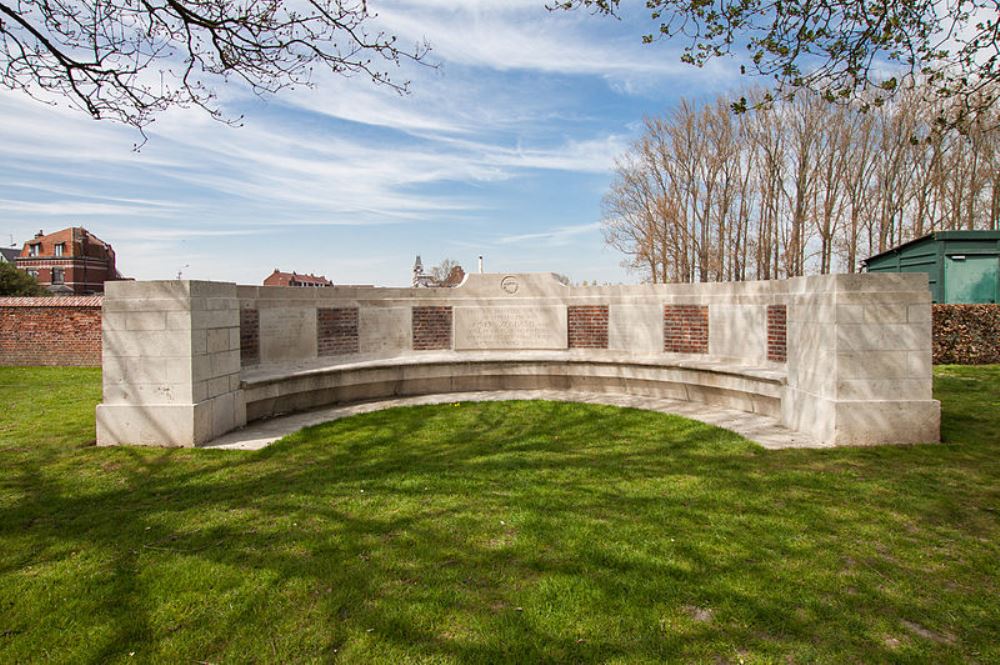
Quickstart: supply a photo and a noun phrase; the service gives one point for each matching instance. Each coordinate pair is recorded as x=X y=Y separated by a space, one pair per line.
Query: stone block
x=884 y=298
x=224 y=363
x=223 y=413
x=921 y=365
x=886 y=313
x=181 y=425
x=809 y=413
x=873 y=365
x=111 y=321
x=146 y=304
x=199 y=342
x=216 y=318
x=287 y=333
x=219 y=339
x=145 y=320
x=143 y=370
x=919 y=313
x=145 y=393
x=884 y=389
x=875 y=422
x=217 y=386
x=635 y=329
x=384 y=330
x=738 y=331
x=178 y=320
x=147 y=344
x=883 y=337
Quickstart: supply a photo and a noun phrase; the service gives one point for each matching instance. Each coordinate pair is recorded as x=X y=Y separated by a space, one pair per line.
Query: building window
x=32 y=273
x=57 y=275
x=33 y=250
x=60 y=248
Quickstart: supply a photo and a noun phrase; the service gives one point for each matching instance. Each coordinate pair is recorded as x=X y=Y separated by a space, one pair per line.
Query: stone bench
x=280 y=389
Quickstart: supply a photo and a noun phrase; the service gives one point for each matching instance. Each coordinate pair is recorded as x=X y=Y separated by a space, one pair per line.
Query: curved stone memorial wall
x=845 y=359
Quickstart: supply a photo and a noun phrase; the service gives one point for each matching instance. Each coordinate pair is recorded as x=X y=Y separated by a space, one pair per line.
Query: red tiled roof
x=289 y=277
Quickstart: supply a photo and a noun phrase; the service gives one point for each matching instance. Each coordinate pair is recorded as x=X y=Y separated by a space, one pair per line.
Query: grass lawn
x=515 y=531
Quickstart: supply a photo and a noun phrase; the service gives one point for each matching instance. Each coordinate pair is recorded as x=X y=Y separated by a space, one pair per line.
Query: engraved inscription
x=510 y=328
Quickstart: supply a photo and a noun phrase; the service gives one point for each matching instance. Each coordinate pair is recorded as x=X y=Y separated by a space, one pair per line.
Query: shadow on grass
x=511 y=531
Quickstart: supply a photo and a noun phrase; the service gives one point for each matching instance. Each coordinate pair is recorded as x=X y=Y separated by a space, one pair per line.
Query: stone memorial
x=844 y=359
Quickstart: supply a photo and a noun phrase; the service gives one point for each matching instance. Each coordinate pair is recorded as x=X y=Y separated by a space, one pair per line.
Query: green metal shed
x=962 y=266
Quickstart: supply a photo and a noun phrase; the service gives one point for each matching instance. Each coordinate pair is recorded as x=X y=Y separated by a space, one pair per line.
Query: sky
x=503 y=149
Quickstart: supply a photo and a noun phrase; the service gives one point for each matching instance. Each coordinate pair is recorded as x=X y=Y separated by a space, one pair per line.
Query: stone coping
x=762 y=430
x=486 y=285
x=266 y=374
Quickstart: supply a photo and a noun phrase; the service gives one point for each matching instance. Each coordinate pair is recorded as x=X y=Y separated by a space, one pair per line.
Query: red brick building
x=72 y=261
x=278 y=278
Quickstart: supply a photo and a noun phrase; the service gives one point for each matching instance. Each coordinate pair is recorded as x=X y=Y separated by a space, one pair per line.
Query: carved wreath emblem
x=509 y=284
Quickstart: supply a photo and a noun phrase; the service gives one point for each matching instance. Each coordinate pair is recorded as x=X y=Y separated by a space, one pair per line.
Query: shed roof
x=938 y=236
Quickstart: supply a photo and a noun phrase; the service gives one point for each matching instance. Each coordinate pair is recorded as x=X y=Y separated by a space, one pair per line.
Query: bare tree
x=800 y=187
x=127 y=60
x=441 y=271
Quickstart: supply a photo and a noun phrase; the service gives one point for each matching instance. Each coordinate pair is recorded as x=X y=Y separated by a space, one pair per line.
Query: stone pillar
x=171 y=363
x=859 y=359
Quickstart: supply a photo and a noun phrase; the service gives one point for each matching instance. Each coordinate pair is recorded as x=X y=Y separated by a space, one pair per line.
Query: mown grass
x=517 y=531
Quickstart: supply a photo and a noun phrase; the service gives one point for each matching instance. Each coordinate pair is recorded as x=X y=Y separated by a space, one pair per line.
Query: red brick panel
x=431 y=328
x=249 y=336
x=685 y=328
x=777 y=333
x=588 y=326
x=50 y=331
x=337 y=331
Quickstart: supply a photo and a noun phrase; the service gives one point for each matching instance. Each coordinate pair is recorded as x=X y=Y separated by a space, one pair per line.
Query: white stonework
x=858 y=369
x=384 y=330
x=738 y=331
x=287 y=333
x=510 y=328
x=171 y=370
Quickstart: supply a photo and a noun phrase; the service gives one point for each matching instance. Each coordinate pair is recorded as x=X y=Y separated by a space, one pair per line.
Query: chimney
x=40 y=233
x=480 y=263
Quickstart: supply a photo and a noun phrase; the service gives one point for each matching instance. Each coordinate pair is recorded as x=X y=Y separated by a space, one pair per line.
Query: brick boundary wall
x=57 y=331
x=249 y=336
x=685 y=328
x=966 y=334
x=587 y=326
x=336 y=331
x=777 y=333
x=431 y=328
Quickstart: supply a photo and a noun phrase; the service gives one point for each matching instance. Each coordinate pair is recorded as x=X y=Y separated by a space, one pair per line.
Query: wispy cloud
x=79 y=208
x=503 y=36
x=184 y=233
x=556 y=236
x=516 y=130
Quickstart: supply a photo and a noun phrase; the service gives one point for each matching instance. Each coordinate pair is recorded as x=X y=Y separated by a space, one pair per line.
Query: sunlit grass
x=511 y=531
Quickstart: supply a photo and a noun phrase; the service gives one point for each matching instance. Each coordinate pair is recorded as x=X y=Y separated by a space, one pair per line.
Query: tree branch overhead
x=128 y=60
